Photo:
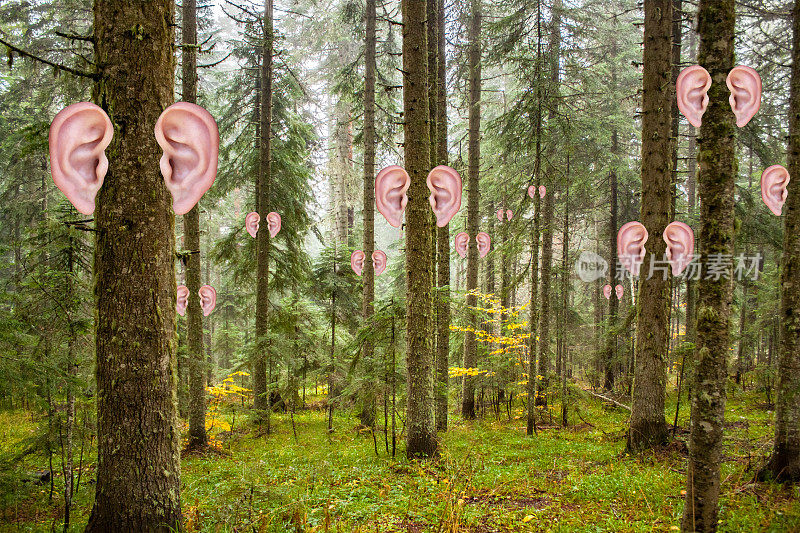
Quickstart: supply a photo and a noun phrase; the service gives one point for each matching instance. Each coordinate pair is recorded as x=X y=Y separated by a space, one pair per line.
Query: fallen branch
x=607 y=399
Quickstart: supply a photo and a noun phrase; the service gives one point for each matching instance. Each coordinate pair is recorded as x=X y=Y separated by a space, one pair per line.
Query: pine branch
x=57 y=66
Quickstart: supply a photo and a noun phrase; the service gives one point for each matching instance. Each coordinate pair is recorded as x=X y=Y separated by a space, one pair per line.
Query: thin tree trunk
x=138 y=471
x=261 y=401
x=421 y=436
x=648 y=426
x=473 y=213
x=784 y=464
x=443 y=234
x=717 y=156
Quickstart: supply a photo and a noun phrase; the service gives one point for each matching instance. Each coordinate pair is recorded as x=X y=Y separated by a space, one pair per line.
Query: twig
x=57 y=66
x=615 y=402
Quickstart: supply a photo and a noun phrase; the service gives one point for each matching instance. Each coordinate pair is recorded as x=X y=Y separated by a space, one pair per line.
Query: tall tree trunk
x=648 y=426
x=543 y=363
x=138 y=471
x=784 y=464
x=613 y=226
x=368 y=352
x=191 y=227
x=716 y=27
x=564 y=301
x=691 y=193
x=534 y=317
x=473 y=213
x=261 y=401
x=421 y=435
x=442 y=234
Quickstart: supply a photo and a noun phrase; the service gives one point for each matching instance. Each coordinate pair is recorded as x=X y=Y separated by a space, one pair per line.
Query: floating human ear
x=357 y=261
x=607 y=291
x=251 y=222
x=183 y=299
x=274 y=224
x=379 y=261
x=460 y=243
x=484 y=243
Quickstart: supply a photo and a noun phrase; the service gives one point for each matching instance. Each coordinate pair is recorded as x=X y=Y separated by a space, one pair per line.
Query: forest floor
x=490 y=477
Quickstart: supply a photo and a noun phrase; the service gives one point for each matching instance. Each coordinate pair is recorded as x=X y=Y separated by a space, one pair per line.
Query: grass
x=490 y=477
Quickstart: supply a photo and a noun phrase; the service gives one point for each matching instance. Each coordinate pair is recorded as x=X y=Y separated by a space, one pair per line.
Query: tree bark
x=260 y=386
x=716 y=27
x=421 y=434
x=138 y=471
x=443 y=234
x=784 y=464
x=191 y=227
x=648 y=426
x=473 y=213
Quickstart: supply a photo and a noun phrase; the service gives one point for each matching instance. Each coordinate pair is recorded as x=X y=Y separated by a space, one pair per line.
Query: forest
x=399 y=265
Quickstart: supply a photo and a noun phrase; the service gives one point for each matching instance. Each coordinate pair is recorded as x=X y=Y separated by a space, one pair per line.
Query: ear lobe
x=620 y=290
x=774 y=181
x=251 y=223
x=391 y=185
x=680 y=246
x=379 y=261
x=189 y=137
x=630 y=246
x=607 y=292
x=208 y=299
x=745 y=99
x=273 y=223
x=445 y=199
x=484 y=243
x=79 y=135
x=357 y=262
x=692 y=92
x=460 y=243
x=183 y=299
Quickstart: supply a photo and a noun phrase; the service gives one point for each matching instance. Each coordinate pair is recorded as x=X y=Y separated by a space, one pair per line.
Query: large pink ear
x=391 y=185
x=273 y=223
x=745 y=99
x=183 y=299
x=445 y=186
x=680 y=246
x=208 y=299
x=379 y=261
x=620 y=290
x=774 y=181
x=631 y=238
x=357 y=261
x=251 y=222
x=189 y=137
x=484 y=243
x=79 y=135
x=460 y=243
x=692 y=91
x=607 y=292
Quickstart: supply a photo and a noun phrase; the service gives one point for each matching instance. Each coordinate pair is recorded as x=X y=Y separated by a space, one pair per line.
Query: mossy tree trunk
x=473 y=213
x=138 y=470
x=421 y=436
x=717 y=158
x=647 y=424
x=784 y=464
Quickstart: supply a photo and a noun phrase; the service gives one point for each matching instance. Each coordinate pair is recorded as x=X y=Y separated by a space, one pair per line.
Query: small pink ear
x=630 y=246
x=620 y=290
x=532 y=191
x=183 y=299
x=273 y=223
x=79 y=135
x=461 y=241
x=607 y=292
x=509 y=214
x=251 y=222
x=680 y=246
x=445 y=199
x=391 y=185
x=189 y=137
x=692 y=92
x=774 y=182
x=208 y=299
x=379 y=261
x=357 y=262
x=484 y=243
x=745 y=99
x=542 y=191
x=500 y=215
